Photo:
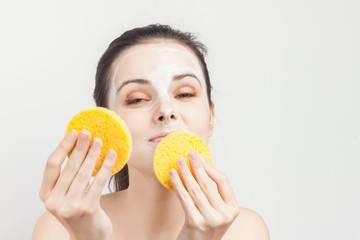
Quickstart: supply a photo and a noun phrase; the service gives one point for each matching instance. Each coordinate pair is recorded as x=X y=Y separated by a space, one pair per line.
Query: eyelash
x=139 y=100
x=185 y=95
x=134 y=101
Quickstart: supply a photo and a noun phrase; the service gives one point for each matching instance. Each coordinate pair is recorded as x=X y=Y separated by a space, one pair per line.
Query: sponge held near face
x=171 y=148
x=110 y=128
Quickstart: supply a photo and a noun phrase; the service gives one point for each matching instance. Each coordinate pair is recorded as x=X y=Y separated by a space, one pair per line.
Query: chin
x=142 y=158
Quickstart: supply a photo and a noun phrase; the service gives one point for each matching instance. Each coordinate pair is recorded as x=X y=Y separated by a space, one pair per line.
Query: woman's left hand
x=207 y=198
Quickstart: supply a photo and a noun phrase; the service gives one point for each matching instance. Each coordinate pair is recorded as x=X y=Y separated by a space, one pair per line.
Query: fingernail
x=111 y=154
x=97 y=142
x=71 y=135
x=172 y=172
x=193 y=154
x=181 y=162
x=84 y=134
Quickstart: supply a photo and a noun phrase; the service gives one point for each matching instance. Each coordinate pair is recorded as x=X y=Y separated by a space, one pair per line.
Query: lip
x=159 y=137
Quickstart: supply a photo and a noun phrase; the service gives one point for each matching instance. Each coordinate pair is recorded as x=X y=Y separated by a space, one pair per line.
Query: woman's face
x=158 y=88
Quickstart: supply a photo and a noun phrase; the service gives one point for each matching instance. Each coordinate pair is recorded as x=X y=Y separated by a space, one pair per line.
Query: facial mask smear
x=157 y=65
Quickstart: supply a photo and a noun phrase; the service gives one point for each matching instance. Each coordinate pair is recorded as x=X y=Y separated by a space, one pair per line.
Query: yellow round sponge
x=171 y=148
x=110 y=128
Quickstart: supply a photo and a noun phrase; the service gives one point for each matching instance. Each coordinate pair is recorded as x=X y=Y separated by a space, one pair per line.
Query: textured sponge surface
x=171 y=148
x=110 y=128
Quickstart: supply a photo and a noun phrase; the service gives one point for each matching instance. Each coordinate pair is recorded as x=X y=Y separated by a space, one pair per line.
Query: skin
x=202 y=206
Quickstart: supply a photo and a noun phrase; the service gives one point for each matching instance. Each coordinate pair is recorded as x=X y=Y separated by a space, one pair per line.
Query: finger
x=102 y=176
x=184 y=197
x=73 y=165
x=53 y=164
x=81 y=182
x=222 y=183
x=206 y=184
x=194 y=189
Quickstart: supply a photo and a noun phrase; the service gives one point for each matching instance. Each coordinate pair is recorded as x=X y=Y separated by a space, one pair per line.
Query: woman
x=156 y=79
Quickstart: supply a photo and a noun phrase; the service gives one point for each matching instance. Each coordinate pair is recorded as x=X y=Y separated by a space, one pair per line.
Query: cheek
x=197 y=120
x=135 y=122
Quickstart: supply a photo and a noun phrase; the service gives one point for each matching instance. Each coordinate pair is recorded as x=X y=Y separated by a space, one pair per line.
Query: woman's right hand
x=69 y=195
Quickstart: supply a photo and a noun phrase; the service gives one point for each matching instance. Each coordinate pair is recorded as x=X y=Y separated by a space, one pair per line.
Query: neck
x=157 y=209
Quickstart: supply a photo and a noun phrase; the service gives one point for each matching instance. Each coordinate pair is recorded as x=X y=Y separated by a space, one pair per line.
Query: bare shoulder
x=249 y=225
x=46 y=226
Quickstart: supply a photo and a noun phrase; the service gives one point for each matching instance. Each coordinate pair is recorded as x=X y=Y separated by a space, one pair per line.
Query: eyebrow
x=145 y=81
x=137 y=80
x=181 y=76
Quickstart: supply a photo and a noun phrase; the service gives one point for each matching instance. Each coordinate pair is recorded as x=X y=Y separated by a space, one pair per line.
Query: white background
x=286 y=86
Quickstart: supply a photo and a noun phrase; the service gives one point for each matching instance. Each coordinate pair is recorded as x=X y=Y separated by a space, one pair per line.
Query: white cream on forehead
x=169 y=58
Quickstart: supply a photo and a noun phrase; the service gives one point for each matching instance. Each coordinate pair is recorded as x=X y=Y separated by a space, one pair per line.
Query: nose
x=166 y=117
x=165 y=112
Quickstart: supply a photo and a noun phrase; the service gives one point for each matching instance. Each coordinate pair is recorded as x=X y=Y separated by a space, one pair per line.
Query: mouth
x=157 y=138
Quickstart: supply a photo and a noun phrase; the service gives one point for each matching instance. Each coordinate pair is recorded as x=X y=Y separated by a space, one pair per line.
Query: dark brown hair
x=129 y=39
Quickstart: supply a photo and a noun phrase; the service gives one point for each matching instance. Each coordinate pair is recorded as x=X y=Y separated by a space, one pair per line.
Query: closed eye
x=185 y=95
x=135 y=101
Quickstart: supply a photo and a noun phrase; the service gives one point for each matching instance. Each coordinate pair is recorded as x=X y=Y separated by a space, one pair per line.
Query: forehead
x=144 y=58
